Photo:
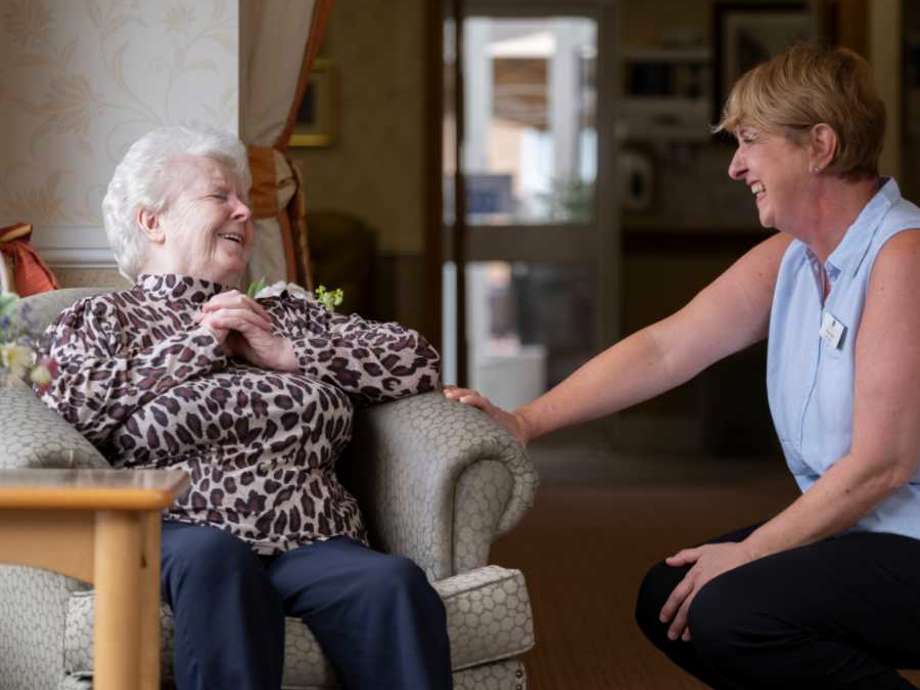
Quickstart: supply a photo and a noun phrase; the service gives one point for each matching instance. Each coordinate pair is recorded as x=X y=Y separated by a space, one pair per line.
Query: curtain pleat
x=281 y=41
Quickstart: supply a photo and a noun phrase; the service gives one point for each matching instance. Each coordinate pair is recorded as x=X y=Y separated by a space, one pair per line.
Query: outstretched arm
x=728 y=315
x=885 y=450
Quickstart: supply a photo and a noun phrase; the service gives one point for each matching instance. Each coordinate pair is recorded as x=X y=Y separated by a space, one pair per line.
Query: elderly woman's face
x=207 y=228
x=776 y=171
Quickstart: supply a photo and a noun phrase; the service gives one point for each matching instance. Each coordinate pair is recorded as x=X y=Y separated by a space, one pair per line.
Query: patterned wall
x=80 y=80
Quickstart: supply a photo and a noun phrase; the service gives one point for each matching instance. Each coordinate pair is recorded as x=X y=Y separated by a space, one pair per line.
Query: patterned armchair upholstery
x=438 y=482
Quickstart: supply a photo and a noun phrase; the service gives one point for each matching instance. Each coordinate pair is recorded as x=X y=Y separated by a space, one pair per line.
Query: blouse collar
x=176 y=286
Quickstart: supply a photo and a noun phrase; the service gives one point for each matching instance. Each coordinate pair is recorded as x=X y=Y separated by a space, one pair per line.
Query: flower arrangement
x=18 y=334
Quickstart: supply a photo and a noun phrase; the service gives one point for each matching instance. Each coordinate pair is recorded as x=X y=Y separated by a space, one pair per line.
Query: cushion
x=30 y=275
x=488 y=619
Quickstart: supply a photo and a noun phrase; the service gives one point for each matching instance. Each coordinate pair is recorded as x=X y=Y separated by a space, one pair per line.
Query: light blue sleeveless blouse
x=809 y=377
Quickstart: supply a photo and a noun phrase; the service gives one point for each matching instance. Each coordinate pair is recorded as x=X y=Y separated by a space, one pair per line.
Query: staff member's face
x=776 y=171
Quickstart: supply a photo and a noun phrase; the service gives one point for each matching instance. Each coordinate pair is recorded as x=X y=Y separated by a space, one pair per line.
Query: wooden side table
x=103 y=527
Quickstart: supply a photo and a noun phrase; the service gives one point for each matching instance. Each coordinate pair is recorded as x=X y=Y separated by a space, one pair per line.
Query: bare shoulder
x=758 y=268
x=769 y=253
x=741 y=296
x=896 y=271
x=894 y=283
x=900 y=253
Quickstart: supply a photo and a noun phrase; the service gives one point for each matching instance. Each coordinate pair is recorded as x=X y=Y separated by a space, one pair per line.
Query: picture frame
x=745 y=35
x=317 y=114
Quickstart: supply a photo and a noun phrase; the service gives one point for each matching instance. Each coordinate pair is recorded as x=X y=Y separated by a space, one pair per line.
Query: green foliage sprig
x=255 y=286
x=328 y=298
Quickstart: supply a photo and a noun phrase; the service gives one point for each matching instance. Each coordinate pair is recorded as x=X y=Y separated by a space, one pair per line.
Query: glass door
x=530 y=217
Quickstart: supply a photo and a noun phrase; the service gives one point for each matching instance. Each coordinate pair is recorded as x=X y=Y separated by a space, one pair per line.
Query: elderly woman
x=824 y=594
x=254 y=399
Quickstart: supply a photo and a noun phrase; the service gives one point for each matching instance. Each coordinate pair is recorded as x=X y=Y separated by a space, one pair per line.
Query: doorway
x=530 y=230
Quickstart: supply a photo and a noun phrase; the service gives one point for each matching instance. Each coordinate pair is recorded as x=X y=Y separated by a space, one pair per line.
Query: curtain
x=279 y=40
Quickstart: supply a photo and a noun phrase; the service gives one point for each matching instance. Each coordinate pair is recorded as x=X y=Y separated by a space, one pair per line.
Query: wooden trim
x=607 y=215
x=458 y=10
x=263 y=194
x=300 y=229
x=90 y=489
x=294 y=268
x=66 y=498
x=116 y=620
x=61 y=541
x=850 y=25
x=150 y=601
x=432 y=186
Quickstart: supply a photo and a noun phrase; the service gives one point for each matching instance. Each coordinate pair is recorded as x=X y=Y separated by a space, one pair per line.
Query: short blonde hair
x=807 y=85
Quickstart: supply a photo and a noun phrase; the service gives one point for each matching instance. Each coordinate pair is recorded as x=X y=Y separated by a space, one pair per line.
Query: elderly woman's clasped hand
x=246 y=330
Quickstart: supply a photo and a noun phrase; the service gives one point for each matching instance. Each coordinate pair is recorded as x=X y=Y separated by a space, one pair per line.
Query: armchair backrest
x=45 y=307
x=33 y=435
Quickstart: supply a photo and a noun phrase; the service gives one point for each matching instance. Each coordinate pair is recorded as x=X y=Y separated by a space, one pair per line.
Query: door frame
x=566 y=243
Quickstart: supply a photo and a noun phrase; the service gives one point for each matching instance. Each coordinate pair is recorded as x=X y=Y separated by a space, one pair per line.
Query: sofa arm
x=34 y=601
x=35 y=436
x=437 y=481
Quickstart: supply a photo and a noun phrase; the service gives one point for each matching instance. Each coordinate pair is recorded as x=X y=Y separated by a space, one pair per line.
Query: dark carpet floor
x=600 y=520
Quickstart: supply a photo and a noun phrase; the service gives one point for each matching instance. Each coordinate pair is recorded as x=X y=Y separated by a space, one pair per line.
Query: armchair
x=438 y=482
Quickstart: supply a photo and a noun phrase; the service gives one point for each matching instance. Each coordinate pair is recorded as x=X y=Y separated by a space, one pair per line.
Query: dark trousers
x=841 y=613
x=376 y=617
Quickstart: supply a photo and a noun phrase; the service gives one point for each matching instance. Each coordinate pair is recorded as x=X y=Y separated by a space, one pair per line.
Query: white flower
x=16 y=358
x=40 y=375
x=276 y=289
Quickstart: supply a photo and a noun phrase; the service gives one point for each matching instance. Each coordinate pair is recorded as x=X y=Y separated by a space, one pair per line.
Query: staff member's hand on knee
x=511 y=421
x=709 y=561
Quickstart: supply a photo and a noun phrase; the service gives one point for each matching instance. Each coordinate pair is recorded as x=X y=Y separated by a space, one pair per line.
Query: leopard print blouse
x=152 y=389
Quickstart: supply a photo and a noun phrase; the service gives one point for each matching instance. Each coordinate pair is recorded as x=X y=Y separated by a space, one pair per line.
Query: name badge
x=832 y=331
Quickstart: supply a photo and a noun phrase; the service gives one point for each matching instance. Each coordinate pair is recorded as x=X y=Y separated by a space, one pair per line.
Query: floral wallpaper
x=80 y=80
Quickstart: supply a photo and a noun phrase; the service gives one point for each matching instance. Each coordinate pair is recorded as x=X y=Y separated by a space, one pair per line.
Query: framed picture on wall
x=746 y=35
x=318 y=113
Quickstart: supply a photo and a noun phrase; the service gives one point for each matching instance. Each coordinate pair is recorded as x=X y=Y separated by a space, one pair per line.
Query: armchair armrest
x=35 y=436
x=438 y=481
x=34 y=601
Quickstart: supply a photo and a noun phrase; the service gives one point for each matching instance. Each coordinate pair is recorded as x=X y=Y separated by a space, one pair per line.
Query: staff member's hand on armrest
x=513 y=422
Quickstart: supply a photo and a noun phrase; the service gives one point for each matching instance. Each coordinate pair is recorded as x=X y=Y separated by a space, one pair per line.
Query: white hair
x=141 y=180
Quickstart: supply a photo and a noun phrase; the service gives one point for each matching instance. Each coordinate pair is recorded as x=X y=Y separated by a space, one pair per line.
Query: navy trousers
x=841 y=613
x=376 y=617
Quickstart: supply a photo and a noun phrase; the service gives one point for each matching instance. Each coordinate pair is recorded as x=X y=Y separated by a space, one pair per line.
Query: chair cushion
x=488 y=615
x=488 y=619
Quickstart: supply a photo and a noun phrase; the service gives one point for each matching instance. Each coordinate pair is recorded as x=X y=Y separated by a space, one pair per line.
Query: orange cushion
x=31 y=275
